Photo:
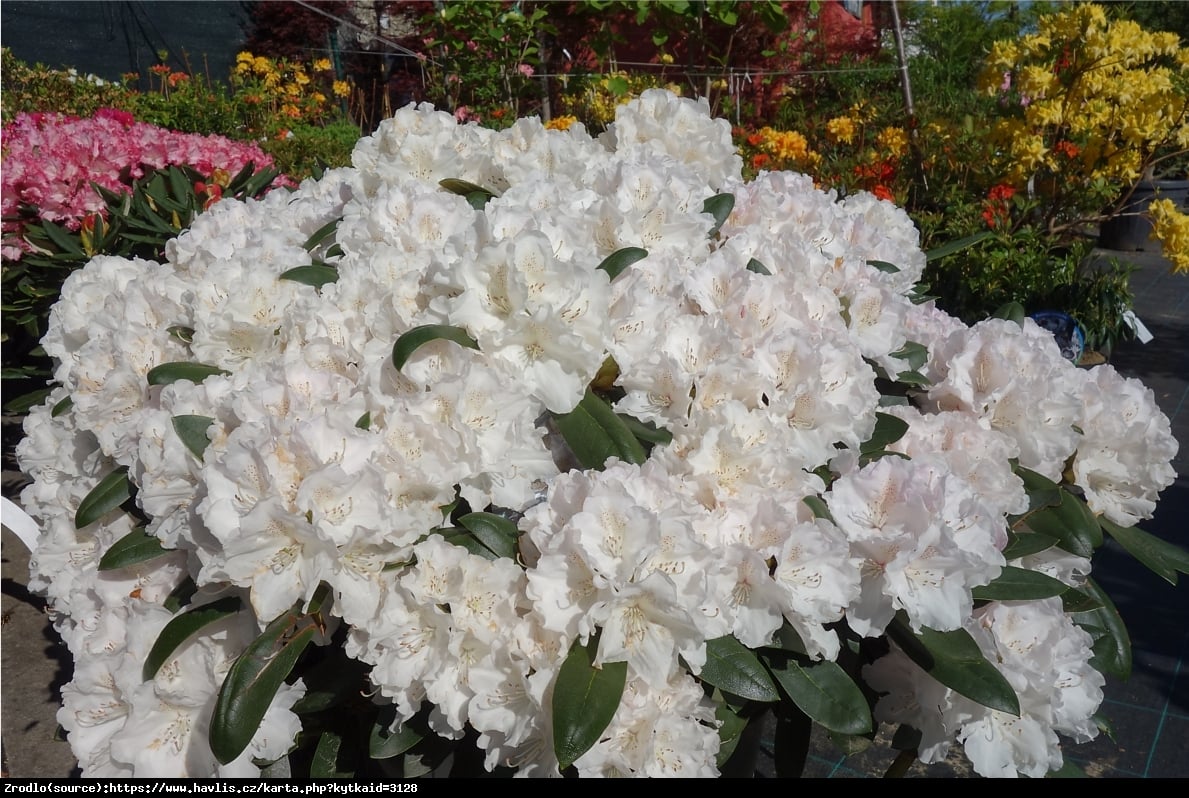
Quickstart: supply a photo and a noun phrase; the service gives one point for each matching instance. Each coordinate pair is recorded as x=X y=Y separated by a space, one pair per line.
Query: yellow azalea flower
x=893 y=141
x=1171 y=229
x=321 y=65
x=561 y=122
x=341 y=88
x=841 y=130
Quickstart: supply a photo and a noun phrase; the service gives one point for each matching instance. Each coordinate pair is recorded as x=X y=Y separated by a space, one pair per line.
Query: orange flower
x=760 y=161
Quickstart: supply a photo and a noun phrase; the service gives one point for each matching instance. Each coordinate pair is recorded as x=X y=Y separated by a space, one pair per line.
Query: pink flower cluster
x=51 y=160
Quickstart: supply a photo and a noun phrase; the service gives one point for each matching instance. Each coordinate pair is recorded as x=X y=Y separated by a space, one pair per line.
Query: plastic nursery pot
x=1131 y=229
x=1065 y=330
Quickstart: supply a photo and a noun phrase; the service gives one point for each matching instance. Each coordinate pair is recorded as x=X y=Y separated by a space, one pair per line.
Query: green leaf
x=888 y=430
x=328 y=753
x=62 y=407
x=317 y=275
x=954 y=659
x=1075 y=601
x=916 y=354
x=182 y=628
x=825 y=693
x=321 y=234
x=364 y=421
x=495 y=532
x=63 y=240
x=112 y=491
x=1042 y=491
x=1068 y=770
x=730 y=729
x=181 y=333
x=168 y=373
x=385 y=743
x=1019 y=584
x=735 y=669
x=620 y=259
x=754 y=265
x=914 y=378
x=646 y=431
x=618 y=86
x=584 y=701
x=135 y=547
x=193 y=432
x=594 y=432
x=884 y=266
x=719 y=206
x=411 y=341
x=1162 y=558
x=819 y=507
x=1112 y=647
x=1071 y=522
x=955 y=246
x=180 y=596
x=1023 y=544
x=1012 y=311
x=253 y=681
x=469 y=190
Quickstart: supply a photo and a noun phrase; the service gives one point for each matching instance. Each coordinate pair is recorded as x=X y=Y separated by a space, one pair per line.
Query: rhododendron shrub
x=52 y=160
x=575 y=452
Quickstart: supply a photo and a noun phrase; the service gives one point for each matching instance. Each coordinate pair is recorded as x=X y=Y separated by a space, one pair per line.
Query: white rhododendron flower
x=563 y=404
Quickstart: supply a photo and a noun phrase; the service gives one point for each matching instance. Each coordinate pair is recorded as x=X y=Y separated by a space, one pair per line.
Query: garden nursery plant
x=530 y=452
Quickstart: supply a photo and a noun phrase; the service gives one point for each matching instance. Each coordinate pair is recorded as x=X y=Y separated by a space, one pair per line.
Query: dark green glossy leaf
x=193 y=432
x=916 y=354
x=1042 y=491
x=913 y=378
x=1019 y=584
x=954 y=659
x=825 y=693
x=888 y=430
x=182 y=628
x=584 y=701
x=955 y=246
x=719 y=206
x=1012 y=311
x=730 y=729
x=253 y=681
x=329 y=753
x=1022 y=544
x=647 y=432
x=735 y=669
x=135 y=547
x=181 y=332
x=1074 y=601
x=754 y=265
x=594 y=433
x=317 y=274
x=1071 y=522
x=63 y=240
x=1162 y=558
x=364 y=421
x=112 y=491
x=884 y=266
x=62 y=407
x=819 y=507
x=477 y=196
x=321 y=234
x=620 y=259
x=168 y=373
x=414 y=339
x=495 y=532
x=180 y=596
x=1112 y=646
x=384 y=743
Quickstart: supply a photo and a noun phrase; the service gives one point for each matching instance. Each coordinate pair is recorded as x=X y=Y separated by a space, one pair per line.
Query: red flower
x=997 y=208
x=883 y=192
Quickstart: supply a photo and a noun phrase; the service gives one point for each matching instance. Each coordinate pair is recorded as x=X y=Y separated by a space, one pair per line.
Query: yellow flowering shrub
x=288 y=89
x=1089 y=106
x=1171 y=228
x=595 y=102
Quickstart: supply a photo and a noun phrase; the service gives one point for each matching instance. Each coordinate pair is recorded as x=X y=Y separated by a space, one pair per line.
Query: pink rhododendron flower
x=51 y=161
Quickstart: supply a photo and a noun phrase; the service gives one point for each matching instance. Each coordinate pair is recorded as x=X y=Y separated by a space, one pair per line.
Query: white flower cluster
x=758 y=348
